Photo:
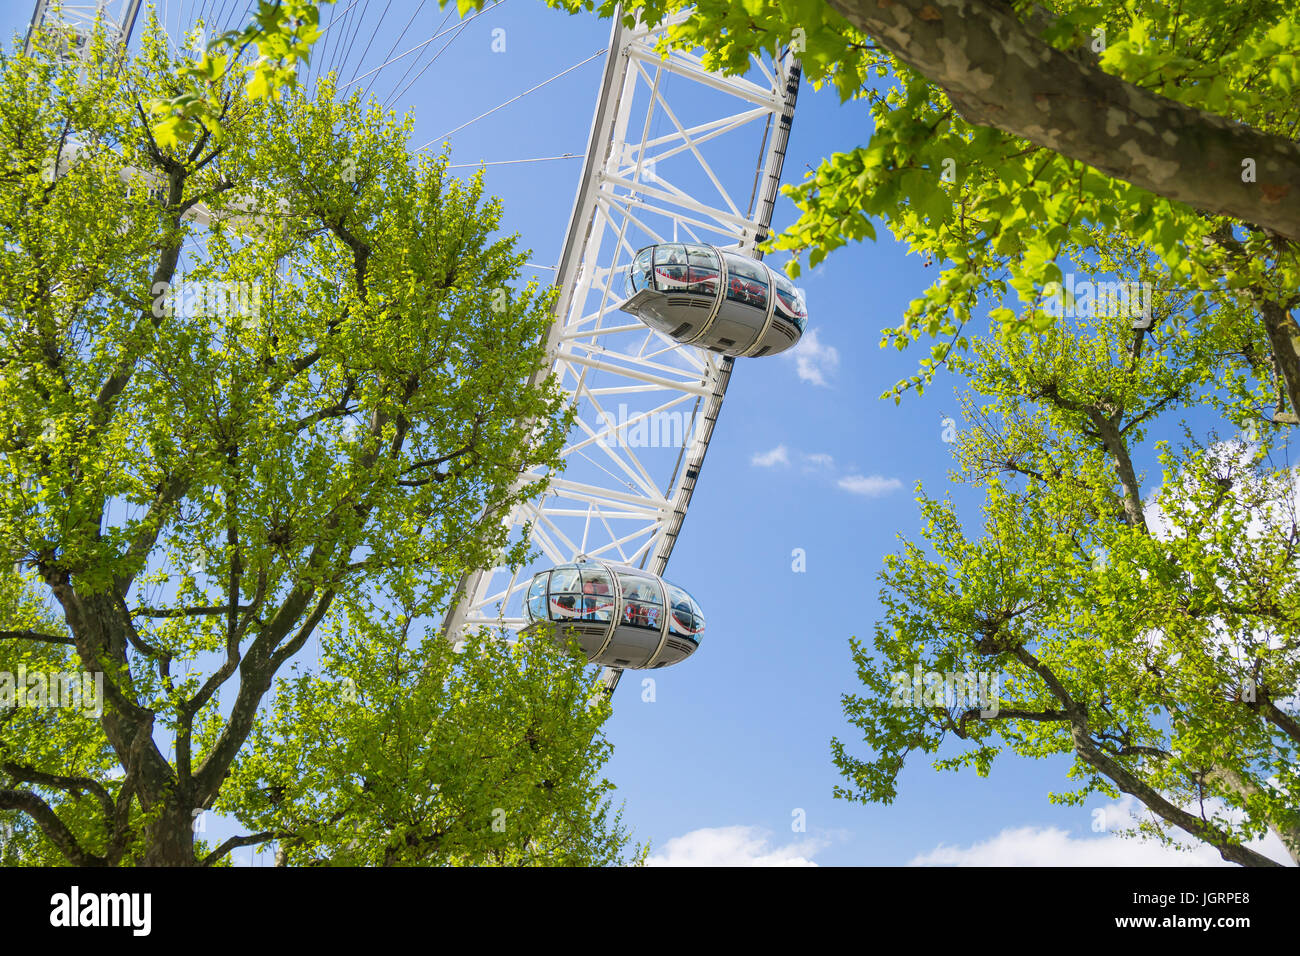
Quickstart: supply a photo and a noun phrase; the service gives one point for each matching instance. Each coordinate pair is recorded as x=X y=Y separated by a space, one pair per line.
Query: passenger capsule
x=723 y=301
x=621 y=616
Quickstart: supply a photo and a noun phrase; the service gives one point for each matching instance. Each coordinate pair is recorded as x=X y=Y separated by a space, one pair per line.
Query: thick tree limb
x=36 y=636
x=1129 y=782
x=1225 y=778
x=185 y=611
x=73 y=785
x=171 y=492
x=50 y=824
x=1108 y=429
x=1282 y=331
x=997 y=72
x=1281 y=720
x=1008 y=713
x=252 y=839
x=1282 y=335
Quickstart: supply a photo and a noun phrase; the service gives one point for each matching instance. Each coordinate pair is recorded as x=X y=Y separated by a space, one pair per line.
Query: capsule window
x=789 y=303
x=639 y=276
x=536 y=603
x=642 y=602
x=699 y=617
x=681 y=612
x=704 y=268
x=671 y=267
x=746 y=281
x=565 y=607
x=566 y=602
x=597 y=594
x=565 y=579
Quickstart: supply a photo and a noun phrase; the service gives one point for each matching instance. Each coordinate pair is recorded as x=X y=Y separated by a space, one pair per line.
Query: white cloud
x=873 y=486
x=734 y=846
x=1053 y=846
x=779 y=455
x=814 y=361
x=819 y=460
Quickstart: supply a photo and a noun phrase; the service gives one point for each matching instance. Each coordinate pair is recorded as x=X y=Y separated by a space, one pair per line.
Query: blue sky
x=737 y=738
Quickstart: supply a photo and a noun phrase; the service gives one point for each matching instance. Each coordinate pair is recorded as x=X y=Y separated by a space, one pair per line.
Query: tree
x=74 y=752
x=281 y=32
x=253 y=392
x=1155 y=640
x=420 y=756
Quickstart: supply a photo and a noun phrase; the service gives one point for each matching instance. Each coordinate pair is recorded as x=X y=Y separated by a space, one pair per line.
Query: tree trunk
x=1282 y=334
x=1110 y=435
x=169 y=840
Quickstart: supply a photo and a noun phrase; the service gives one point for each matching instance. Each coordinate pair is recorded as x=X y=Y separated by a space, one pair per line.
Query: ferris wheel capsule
x=715 y=299
x=620 y=616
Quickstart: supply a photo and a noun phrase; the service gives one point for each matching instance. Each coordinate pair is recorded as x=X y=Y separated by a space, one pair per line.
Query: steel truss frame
x=118 y=17
x=646 y=179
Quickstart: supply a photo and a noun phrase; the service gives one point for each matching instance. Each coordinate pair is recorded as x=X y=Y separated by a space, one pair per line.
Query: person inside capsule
x=598 y=599
x=564 y=593
x=640 y=602
x=670 y=267
x=590 y=591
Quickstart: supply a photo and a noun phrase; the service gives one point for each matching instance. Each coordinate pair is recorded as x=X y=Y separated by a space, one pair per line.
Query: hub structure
x=677 y=154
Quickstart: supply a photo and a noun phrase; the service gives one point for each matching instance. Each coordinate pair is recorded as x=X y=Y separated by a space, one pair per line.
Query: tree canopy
x=258 y=390
x=280 y=32
x=1153 y=638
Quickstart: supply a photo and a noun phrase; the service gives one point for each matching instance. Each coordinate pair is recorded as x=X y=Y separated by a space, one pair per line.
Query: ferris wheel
x=660 y=288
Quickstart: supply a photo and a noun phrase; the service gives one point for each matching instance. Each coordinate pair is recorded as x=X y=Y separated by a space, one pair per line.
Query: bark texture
x=997 y=72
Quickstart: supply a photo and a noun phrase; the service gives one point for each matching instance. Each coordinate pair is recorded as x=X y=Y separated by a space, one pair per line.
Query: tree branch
x=36 y=636
x=999 y=73
x=234 y=843
x=54 y=829
x=185 y=611
x=1129 y=782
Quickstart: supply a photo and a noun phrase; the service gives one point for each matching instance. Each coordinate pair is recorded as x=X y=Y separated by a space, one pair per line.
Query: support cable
x=373 y=33
x=513 y=162
x=432 y=59
x=399 y=40
x=598 y=53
